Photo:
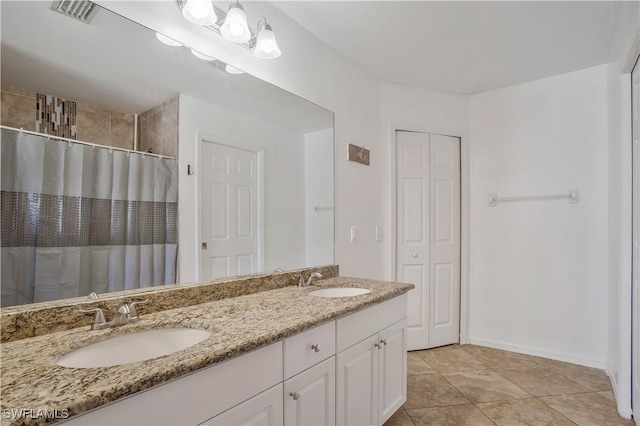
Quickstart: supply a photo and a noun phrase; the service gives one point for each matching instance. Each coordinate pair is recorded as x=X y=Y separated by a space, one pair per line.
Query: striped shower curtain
x=78 y=219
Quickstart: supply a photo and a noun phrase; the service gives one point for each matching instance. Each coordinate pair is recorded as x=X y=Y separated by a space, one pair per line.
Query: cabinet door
x=264 y=409
x=357 y=384
x=310 y=397
x=393 y=370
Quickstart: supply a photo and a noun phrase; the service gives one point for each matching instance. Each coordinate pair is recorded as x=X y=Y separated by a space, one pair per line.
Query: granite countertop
x=32 y=380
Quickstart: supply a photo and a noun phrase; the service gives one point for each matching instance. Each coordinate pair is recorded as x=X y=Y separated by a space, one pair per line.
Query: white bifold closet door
x=428 y=235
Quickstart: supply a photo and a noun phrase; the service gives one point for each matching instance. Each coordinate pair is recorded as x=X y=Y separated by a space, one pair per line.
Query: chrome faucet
x=310 y=281
x=126 y=314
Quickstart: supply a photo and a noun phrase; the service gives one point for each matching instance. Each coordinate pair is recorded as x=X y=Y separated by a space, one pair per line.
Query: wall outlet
x=354 y=232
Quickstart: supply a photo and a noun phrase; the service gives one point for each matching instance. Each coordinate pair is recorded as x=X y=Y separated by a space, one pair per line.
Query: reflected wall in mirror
x=253 y=163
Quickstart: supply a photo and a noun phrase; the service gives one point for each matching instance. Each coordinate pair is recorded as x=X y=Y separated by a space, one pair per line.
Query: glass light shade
x=266 y=44
x=167 y=40
x=232 y=70
x=202 y=56
x=235 y=28
x=199 y=12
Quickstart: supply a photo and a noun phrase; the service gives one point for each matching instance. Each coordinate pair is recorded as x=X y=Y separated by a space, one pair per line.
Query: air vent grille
x=82 y=10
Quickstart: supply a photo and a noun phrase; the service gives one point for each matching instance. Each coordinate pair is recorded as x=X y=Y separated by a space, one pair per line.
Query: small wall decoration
x=55 y=116
x=359 y=154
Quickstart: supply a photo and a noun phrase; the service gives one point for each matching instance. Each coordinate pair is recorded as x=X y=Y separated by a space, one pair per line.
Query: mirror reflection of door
x=229 y=209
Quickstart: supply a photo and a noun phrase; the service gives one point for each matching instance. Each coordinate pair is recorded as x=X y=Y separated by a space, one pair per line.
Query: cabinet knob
x=316 y=348
x=414 y=254
x=294 y=395
x=377 y=345
x=384 y=342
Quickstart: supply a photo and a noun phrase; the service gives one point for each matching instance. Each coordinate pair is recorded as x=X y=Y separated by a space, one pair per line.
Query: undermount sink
x=339 y=292
x=133 y=347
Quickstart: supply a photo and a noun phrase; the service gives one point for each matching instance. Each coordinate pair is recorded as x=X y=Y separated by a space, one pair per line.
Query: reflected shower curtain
x=77 y=219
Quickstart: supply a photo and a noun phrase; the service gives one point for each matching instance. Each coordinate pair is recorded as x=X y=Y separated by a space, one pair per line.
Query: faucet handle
x=99 y=320
x=133 y=311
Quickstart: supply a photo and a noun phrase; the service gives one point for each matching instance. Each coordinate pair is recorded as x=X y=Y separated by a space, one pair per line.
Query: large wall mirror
x=231 y=175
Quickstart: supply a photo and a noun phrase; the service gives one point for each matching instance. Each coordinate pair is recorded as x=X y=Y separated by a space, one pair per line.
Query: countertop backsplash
x=20 y=322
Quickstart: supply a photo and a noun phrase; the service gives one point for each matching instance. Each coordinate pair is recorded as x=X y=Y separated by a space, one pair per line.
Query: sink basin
x=133 y=347
x=339 y=292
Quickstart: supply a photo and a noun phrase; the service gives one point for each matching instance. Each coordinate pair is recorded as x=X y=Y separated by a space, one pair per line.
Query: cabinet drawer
x=197 y=397
x=309 y=348
x=357 y=327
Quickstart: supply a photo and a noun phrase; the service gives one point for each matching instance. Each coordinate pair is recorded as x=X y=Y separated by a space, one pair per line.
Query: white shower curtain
x=77 y=219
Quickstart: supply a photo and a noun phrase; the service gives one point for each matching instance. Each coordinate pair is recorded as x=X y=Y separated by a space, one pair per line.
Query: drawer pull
x=384 y=342
x=377 y=345
x=316 y=348
x=294 y=395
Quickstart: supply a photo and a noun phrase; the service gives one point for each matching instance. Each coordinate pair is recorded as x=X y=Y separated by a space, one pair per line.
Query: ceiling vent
x=81 y=10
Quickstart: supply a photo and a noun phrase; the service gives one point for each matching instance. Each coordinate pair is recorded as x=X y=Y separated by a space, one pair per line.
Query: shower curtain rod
x=111 y=148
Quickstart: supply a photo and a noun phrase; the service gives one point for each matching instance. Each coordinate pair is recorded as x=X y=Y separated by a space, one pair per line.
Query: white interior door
x=428 y=235
x=635 y=274
x=444 y=281
x=229 y=211
x=412 y=231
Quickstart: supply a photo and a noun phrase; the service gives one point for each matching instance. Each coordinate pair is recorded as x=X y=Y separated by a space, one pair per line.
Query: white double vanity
x=274 y=357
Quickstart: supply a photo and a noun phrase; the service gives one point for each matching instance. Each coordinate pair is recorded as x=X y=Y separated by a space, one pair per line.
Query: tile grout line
x=555 y=411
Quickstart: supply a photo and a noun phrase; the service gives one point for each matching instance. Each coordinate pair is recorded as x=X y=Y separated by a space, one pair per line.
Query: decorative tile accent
x=55 y=116
x=40 y=220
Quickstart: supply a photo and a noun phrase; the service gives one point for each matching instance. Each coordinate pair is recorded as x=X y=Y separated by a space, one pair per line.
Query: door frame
x=394 y=126
x=237 y=144
x=622 y=386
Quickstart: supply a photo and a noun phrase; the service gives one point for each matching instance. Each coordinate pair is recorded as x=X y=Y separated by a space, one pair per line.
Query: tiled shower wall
x=158 y=129
x=93 y=124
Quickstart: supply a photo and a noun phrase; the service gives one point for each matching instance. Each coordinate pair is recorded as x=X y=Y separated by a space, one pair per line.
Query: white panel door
x=228 y=200
x=444 y=268
x=264 y=409
x=357 y=384
x=392 y=370
x=310 y=397
x=635 y=310
x=412 y=230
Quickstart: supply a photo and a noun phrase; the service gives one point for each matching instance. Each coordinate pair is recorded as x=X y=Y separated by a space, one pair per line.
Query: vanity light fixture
x=234 y=26
x=266 y=44
x=199 y=12
x=168 y=40
x=202 y=55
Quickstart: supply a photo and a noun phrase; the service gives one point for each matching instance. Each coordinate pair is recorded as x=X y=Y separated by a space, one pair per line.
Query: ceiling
x=462 y=47
x=101 y=64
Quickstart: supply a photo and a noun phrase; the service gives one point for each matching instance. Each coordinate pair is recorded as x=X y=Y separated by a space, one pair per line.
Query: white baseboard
x=558 y=356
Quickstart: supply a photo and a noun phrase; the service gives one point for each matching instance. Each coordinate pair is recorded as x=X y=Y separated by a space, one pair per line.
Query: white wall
x=539 y=269
x=319 y=230
x=284 y=181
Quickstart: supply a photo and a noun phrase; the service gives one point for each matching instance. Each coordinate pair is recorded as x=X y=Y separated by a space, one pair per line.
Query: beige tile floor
x=473 y=385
